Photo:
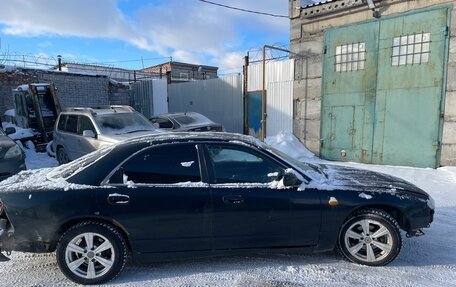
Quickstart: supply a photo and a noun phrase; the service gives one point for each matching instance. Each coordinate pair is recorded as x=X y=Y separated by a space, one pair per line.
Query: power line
x=244 y=10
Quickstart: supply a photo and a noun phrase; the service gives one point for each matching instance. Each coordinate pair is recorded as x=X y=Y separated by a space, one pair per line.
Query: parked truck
x=37 y=108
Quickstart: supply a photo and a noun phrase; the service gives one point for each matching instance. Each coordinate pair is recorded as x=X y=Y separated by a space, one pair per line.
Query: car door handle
x=233 y=199
x=118 y=199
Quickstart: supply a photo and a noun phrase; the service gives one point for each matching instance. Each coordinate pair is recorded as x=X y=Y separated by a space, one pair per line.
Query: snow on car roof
x=187 y=136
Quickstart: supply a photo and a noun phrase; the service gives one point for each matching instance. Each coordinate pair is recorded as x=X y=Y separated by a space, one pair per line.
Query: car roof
x=102 y=110
x=194 y=136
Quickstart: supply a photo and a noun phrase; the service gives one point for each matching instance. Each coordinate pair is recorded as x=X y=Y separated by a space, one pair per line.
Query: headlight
x=14 y=151
x=431 y=203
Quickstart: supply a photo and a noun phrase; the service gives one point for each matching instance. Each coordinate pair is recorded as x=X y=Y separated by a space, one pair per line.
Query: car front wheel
x=370 y=237
x=91 y=253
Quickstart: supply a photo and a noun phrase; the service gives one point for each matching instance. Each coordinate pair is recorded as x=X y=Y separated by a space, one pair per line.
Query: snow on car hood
x=359 y=179
x=36 y=180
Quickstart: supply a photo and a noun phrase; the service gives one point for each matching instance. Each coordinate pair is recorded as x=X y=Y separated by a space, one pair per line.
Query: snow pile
x=287 y=143
x=34 y=160
x=20 y=133
x=10 y=113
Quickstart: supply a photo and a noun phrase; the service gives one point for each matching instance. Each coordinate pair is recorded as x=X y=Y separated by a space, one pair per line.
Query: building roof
x=182 y=64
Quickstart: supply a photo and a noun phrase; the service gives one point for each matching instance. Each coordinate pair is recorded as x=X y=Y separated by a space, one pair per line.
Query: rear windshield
x=122 y=123
x=67 y=170
x=192 y=119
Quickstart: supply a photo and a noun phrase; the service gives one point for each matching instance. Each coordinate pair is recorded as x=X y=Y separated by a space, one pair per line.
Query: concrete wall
x=448 y=153
x=306 y=39
x=73 y=90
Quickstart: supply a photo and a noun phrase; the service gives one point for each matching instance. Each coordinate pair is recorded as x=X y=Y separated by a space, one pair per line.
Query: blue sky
x=94 y=31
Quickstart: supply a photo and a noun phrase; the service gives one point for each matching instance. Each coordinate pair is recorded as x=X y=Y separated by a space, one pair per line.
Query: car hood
x=365 y=180
x=121 y=137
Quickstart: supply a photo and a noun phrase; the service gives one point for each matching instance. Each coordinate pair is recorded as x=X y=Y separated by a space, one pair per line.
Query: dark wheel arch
x=67 y=225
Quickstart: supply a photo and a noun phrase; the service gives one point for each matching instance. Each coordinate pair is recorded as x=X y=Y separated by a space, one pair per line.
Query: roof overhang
x=332 y=6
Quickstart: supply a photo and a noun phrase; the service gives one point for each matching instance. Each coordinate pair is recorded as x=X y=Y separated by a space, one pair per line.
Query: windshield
x=67 y=170
x=310 y=169
x=122 y=123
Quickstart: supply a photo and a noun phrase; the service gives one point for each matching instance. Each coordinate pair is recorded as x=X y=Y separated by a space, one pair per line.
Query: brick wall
x=73 y=90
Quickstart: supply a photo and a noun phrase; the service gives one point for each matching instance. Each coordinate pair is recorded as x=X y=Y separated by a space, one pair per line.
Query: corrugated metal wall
x=160 y=96
x=279 y=100
x=218 y=99
x=145 y=93
x=281 y=71
x=279 y=93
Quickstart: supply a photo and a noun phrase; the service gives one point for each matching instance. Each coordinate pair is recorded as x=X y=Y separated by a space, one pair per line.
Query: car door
x=69 y=137
x=250 y=210
x=85 y=144
x=159 y=197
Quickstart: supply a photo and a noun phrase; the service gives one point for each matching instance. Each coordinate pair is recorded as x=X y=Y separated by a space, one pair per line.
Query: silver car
x=12 y=158
x=79 y=131
x=186 y=122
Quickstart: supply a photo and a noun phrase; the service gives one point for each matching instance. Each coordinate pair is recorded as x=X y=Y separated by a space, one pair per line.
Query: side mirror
x=88 y=133
x=291 y=179
x=10 y=130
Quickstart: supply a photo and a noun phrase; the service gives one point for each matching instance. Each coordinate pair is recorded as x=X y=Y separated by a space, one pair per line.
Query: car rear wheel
x=370 y=237
x=91 y=253
x=62 y=157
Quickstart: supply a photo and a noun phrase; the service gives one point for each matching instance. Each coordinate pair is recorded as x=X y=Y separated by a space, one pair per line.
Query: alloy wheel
x=90 y=255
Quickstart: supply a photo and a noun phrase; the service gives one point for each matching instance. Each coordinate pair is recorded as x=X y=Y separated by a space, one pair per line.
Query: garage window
x=411 y=49
x=350 y=57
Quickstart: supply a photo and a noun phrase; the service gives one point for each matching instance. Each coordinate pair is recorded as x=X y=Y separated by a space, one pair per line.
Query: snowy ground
x=429 y=260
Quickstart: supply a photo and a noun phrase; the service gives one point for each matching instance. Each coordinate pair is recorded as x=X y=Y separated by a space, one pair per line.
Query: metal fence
x=218 y=99
x=149 y=97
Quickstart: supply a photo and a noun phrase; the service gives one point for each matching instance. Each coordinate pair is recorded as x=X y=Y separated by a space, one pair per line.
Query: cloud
x=190 y=31
x=45 y=44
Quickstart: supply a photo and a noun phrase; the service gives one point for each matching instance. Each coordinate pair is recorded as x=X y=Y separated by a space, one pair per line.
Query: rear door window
x=169 y=164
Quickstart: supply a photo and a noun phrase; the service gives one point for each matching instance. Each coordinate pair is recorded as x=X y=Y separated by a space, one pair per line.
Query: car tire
x=370 y=237
x=50 y=150
x=62 y=156
x=91 y=253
